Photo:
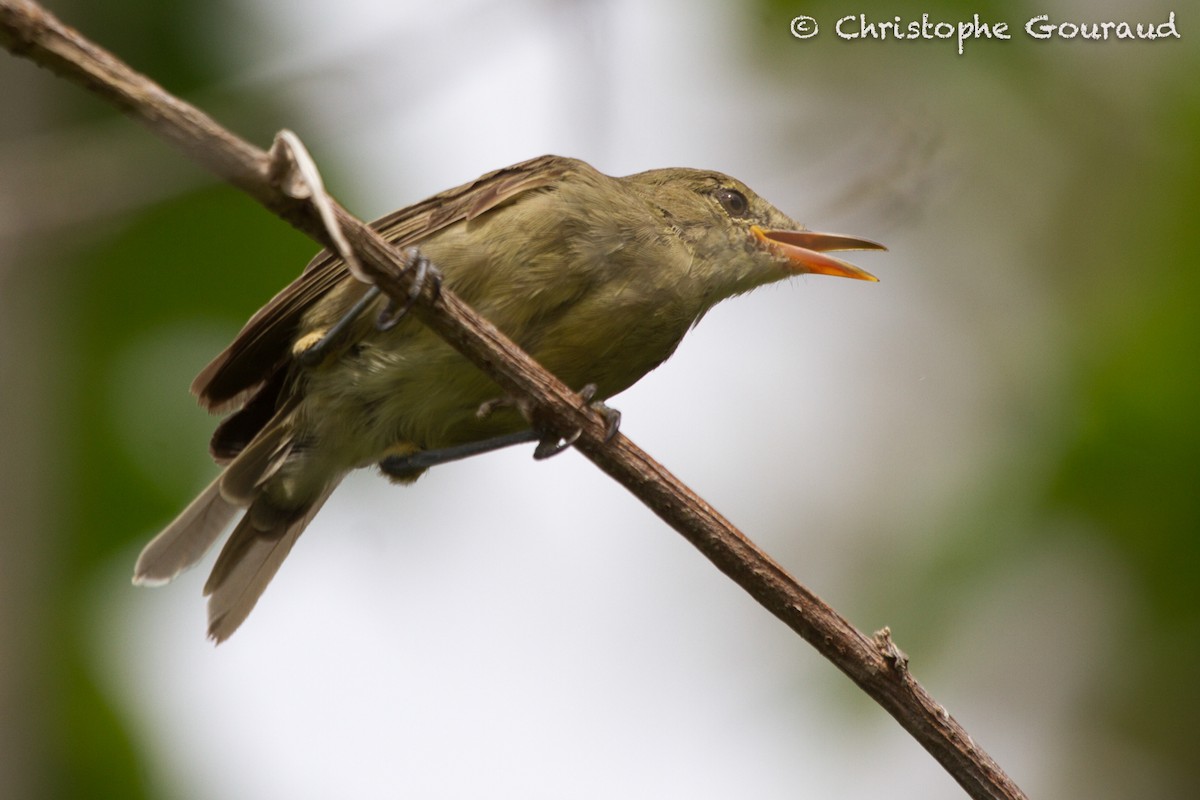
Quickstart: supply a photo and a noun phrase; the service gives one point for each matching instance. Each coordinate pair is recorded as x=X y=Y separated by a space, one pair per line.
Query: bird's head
x=739 y=239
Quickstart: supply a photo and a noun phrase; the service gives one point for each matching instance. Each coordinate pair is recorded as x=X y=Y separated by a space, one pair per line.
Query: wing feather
x=263 y=345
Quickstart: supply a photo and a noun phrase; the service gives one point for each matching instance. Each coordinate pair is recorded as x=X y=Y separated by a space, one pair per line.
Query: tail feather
x=250 y=560
x=258 y=461
x=260 y=541
x=185 y=541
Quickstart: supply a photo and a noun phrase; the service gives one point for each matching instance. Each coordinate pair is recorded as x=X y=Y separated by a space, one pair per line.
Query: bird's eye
x=733 y=201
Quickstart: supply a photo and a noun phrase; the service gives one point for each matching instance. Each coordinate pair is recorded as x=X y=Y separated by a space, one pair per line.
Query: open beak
x=805 y=251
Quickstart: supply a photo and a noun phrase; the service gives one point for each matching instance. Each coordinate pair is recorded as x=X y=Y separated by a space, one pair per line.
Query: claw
x=612 y=417
x=390 y=316
x=612 y=420
x=552 y=445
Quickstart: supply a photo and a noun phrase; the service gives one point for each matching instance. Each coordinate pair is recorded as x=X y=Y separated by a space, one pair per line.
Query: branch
x=876 y=665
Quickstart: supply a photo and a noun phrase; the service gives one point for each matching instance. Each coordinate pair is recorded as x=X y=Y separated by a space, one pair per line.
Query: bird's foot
x=612 y=417
x=425 y=271
x=312 y=348
x=551 y=444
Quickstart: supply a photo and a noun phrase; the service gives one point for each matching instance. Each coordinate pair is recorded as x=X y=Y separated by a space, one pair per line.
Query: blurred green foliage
x=1133 y=467
x=209 y=255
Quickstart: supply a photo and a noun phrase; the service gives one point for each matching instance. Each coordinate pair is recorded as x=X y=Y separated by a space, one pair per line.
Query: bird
x=597 y=277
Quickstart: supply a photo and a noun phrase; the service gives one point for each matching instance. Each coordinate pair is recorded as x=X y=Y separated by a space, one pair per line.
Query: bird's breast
x=614 y=336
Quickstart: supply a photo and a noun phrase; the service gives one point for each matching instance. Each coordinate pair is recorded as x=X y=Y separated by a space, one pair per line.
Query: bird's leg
x=400 y=466
x=390 y=315
x=310 y=354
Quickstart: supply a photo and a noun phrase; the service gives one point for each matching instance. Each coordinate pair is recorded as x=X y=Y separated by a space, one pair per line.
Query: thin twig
x=876 y=665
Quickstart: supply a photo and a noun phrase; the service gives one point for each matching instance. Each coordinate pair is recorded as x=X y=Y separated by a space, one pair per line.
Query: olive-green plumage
x=598 y=278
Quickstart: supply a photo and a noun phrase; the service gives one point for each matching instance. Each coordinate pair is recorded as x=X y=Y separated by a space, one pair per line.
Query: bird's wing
x=262 y=347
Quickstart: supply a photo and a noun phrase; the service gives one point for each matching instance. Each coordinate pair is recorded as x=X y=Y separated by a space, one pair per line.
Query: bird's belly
x=420 y=391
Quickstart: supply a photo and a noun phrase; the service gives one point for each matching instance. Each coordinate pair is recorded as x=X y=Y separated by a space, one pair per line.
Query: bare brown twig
x=876 y=665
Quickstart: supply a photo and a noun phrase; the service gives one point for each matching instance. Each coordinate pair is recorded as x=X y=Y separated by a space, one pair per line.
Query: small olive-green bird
x=598 y=278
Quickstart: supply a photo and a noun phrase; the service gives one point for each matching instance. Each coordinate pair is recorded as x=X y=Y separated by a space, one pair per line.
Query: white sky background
x=512 y=629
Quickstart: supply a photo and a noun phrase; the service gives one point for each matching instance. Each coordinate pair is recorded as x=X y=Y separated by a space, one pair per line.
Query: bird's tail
x=250 y=559
x=257 y=546
x=185 y=541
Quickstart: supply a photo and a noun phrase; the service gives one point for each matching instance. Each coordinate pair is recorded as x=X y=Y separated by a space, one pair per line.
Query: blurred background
x=993 y=450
